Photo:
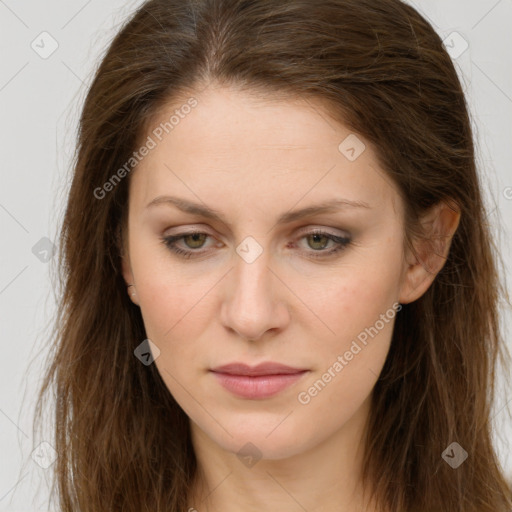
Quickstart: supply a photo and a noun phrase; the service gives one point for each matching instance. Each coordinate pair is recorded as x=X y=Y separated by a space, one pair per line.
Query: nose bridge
x=252 y=286
x=252 y=262
x=252 y=277
x=252 y=306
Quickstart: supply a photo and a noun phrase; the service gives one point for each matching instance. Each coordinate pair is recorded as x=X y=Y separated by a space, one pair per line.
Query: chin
x=271 y=440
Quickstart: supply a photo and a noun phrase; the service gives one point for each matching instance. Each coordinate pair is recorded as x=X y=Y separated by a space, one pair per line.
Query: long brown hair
x=122 y=441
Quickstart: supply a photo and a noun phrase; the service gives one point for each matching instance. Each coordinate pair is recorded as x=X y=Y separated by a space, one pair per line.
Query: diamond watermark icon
x=147 y=352
x=455 y=45
x=249 y=249
x=454 y=455
x=352 y=147
x=44 y=455
x=44 y=249
x=44 y=45
x=249 y=454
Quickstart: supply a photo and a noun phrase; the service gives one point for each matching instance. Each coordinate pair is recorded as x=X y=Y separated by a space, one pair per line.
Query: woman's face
x=257 y=285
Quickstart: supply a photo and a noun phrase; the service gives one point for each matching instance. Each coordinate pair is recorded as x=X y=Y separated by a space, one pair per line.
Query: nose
x=254 y=300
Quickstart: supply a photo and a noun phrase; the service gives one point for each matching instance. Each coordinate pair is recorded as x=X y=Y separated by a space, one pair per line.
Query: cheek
x=357 y=297
x=173 y=317
x=172 y=312
x=169 y=296
x=359 y=306
x=360 y=311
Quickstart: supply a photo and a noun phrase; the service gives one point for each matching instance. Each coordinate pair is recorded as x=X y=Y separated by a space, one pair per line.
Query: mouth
x=257 y=382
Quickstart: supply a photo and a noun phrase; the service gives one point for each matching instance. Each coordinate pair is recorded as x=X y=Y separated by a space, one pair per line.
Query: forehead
x=235 y=146
x=234 y=120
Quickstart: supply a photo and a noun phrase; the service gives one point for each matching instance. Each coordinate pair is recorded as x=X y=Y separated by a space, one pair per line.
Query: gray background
x=40 y=100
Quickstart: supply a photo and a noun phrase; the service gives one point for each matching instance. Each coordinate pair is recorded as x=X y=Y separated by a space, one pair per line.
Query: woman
x=280 y=290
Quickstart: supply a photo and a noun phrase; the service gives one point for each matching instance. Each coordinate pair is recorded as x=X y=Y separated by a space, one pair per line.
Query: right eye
x=196 y=238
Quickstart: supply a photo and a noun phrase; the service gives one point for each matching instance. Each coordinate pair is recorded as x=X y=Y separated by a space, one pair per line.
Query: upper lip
x=260 y=369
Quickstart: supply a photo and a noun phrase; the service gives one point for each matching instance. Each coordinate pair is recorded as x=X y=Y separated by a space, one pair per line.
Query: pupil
x=316 y=237
x=195 y=237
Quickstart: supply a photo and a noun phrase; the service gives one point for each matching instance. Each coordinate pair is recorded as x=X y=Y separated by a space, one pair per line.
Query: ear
x=430 y=251
x=128 y=277
x=126 y=269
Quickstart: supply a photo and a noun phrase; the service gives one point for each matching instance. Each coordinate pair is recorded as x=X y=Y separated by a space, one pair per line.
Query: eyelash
x=342 y=243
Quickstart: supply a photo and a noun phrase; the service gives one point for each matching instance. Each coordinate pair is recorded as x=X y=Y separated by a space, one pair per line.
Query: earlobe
x=431 y=251
x=128 y=278
x=133 y=294
x=126 y=270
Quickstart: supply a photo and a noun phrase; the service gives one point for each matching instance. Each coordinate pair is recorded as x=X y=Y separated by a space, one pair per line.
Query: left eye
x=195 y=240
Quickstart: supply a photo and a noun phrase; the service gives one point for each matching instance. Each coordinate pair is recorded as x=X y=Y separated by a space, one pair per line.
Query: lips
x=257 y=382
x=255 y=371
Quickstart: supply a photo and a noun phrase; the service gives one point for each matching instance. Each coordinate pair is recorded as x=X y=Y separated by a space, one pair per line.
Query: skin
x=253 y=160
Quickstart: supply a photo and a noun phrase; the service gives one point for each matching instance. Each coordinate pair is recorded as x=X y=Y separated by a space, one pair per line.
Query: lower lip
x=257 y=387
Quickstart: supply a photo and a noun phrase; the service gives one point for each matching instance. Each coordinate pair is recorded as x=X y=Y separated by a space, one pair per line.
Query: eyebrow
x=201 y=209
